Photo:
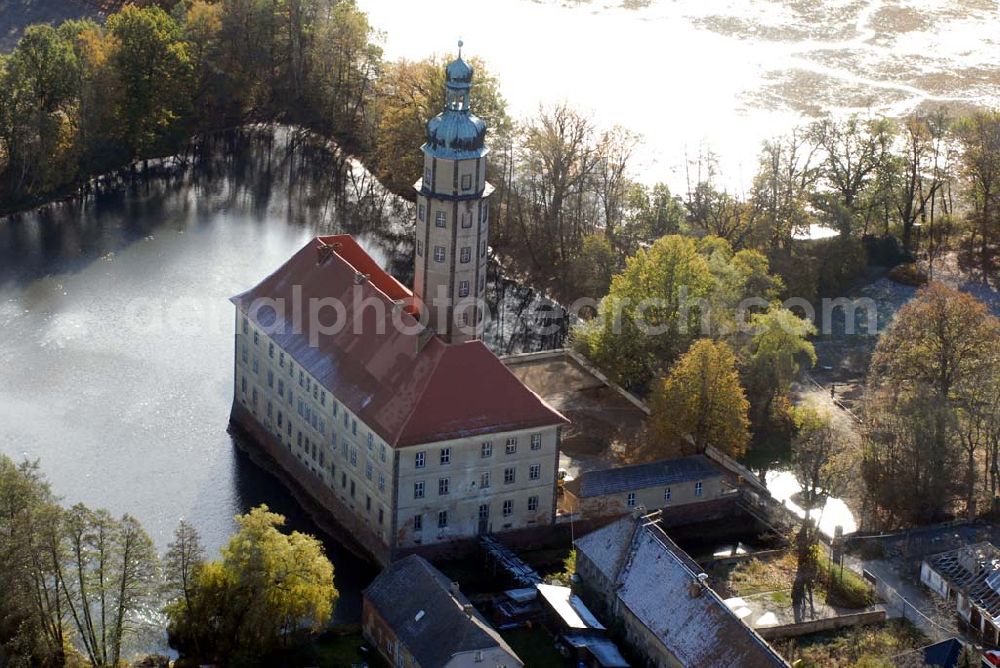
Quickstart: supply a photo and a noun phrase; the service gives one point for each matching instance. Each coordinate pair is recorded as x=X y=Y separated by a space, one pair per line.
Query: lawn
x=535 y=647
x=340 y=649
x=870 y=646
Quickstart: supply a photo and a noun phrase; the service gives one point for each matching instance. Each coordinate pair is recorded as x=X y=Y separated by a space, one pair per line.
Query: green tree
x=979 y=135
x=700 y=403
x=152 y=65
x=777 y=346
x=652 y=313
x=268 y=589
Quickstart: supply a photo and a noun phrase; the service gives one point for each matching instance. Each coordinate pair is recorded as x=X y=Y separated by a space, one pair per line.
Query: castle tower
x=453 y=214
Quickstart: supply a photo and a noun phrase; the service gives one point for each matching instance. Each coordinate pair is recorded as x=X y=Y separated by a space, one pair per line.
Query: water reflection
x=786 y=489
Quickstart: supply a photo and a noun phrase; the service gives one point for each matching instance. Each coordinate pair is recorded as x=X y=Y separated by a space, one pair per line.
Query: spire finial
x=460 y=45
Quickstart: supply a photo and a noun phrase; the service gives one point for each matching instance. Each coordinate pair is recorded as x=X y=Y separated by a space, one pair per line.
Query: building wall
x=382 y=636
x=651 y=498
x=643 y=641
x=333 y=444
x=932 y=580
x=346 y=456
x=532 y=501
x=465 y=211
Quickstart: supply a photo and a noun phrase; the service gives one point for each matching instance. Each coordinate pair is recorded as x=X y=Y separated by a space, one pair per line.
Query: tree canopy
x=700 y=403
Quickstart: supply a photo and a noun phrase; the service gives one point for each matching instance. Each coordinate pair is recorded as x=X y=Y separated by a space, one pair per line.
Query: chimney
x=360 y=278
x=453 y=589
x=698 y=585
x=467 y=609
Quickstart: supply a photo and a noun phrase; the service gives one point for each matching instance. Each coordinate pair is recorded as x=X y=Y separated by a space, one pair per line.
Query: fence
x=898 y=604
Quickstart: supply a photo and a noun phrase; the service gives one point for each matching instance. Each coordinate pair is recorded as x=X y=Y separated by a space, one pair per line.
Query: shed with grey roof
x=661 y=484
x=662 y=602
x=417 y=618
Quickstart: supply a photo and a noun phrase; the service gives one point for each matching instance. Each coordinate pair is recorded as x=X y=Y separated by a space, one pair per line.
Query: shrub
x=909 y=274
x=845 y=589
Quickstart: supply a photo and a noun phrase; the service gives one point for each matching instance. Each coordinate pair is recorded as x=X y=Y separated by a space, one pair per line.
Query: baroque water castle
x=382 y=404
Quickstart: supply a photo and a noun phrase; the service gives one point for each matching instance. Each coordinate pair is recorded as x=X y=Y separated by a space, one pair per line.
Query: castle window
x=439 y=253
x=281 y=388
x=482 y=248
x=421 y=212
x=484 y=480
x=371 y=441
x=420 y=459
x=467 y=219
x=508 y=508
x=536 y=441
x=444 y=486
x=270 y=350
x=697 y=489
x=482 y=283
x=368 y=469
x=420 y=248
x=484 y=213
x=535 y=471
x=256 y=337
x=508 y=475
x=243 y=384
x=381 y=482
x=511 y=445
x=442 y=519
x=255 y=399
x=244 y=354
x=354 y=456
x=368 y=502
x=487 y=449
x=418 y=522
x=466 y=255
x=532 y=503
x=466 y=181
x=428 y=178
x=281 y=360
x=381 y=516
x=256 y=365
x=441 y=219
x=246 y=326
x=270 y=378
x=418 y=490
x=463 y=288
x=445 y=456
x=666 y=494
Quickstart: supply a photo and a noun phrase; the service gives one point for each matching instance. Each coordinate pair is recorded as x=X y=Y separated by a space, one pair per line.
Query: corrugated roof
x=641 y=476
x=569 y=607
x=415 y=599
x=973 y=569
x=653 y=579
x=407 y=392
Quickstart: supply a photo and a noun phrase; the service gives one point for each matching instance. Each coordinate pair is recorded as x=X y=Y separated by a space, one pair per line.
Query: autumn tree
x=979 y=135
x=821 y=455
x=927 y=368
x=700 y=403
x=267 y=591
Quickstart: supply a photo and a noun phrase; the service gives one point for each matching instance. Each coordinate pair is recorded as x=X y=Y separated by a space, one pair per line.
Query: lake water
x=721 y=74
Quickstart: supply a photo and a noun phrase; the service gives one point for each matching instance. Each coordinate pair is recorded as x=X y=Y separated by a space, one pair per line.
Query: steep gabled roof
x=434 y=623
x=403 y=381
x=659 y=584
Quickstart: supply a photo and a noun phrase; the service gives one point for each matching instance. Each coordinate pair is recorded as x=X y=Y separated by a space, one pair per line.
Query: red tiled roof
x=409 y=394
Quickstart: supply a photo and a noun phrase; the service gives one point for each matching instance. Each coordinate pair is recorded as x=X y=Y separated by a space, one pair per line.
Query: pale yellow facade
x=380 y=483
x=651 y=498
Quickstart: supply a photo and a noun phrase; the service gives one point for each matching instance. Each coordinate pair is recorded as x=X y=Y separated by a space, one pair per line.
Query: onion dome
x=456 y=133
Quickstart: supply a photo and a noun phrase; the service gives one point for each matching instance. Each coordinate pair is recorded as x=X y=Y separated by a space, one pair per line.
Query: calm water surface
x=116 y=345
